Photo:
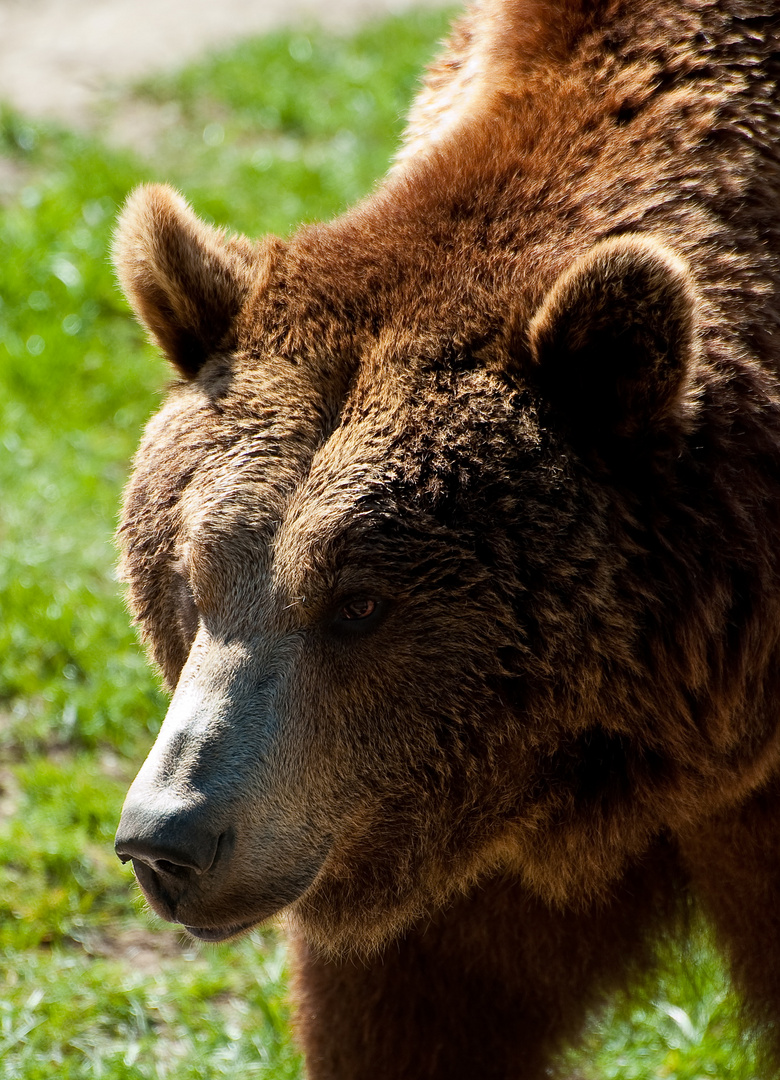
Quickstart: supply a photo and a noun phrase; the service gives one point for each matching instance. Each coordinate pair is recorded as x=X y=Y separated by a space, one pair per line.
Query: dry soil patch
x=61 y=59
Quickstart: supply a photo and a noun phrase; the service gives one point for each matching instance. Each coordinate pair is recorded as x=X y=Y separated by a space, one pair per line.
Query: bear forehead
x=270 y=511
x=254 y=469
x=257 y=484
x=269 y=436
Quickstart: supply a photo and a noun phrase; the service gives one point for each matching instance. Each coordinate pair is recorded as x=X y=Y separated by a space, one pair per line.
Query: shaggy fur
x=457 y=543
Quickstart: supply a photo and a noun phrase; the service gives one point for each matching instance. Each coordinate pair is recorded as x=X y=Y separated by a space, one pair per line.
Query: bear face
x=336 y=574
x=400 y=606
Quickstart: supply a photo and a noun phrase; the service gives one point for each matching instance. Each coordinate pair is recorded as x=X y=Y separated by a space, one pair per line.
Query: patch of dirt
x=142 y=125
x=13 y=177
x=10 y=794
x=143 y=949
x=60 y=61
x=116 y=767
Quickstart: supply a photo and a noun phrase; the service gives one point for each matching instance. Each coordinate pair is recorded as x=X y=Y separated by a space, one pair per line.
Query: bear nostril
x=164 y=860
x=170 y=869
x=171 y=861
x=174 y=845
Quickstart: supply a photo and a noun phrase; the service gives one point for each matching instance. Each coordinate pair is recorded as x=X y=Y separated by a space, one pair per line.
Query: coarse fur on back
x=456 y=542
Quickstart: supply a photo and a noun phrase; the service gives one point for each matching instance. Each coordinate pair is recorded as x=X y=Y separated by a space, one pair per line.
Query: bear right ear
x=185 y=280
x=615 y=340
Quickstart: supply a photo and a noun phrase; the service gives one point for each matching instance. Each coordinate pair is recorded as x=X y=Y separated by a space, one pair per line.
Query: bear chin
x=216 y=934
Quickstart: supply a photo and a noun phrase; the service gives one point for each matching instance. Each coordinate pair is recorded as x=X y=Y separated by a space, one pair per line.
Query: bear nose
x=169 y=841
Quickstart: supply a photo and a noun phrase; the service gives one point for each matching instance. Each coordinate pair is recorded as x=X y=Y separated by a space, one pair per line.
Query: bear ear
x=615 y=339
x=185 y=280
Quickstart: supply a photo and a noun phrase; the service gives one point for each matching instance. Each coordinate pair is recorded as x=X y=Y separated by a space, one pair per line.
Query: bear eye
x=360 y=607
x=356 y=616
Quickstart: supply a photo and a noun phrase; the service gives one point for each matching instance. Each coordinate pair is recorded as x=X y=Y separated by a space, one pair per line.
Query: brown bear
x=457 y=539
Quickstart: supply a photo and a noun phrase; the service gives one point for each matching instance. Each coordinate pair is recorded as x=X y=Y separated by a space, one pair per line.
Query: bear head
x=401 y=612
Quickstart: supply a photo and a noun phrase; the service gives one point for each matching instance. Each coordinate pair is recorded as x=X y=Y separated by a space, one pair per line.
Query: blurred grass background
x=287 y=128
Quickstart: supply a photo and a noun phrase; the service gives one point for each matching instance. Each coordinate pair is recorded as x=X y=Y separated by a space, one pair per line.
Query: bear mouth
x=219 y=933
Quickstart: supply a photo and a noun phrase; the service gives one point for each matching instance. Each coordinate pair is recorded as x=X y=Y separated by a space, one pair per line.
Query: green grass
x=680 y=1025
x=292 y=127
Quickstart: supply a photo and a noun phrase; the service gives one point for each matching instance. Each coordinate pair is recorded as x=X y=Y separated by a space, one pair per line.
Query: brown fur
x=524 y=398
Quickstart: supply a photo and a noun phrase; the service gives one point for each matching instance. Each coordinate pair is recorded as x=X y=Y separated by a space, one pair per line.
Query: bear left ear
x=186 y=281
x=615 y=339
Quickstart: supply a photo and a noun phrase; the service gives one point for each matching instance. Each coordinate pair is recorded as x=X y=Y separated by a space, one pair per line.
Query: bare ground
x=60 y=59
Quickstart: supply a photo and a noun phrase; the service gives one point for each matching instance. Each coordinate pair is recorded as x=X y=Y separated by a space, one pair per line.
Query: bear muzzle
x=216 y=841
x=170 y=849
x=175 y=844
x=191 y=872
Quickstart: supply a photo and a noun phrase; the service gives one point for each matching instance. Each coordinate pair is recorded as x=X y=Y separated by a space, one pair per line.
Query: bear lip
x=218 y=933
